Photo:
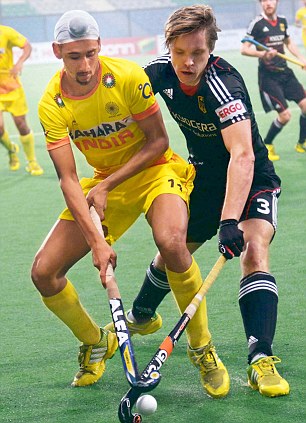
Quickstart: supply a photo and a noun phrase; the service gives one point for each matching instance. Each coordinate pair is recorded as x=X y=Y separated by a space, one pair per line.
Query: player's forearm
x=292 y=47
x=249 y=50
x=78 y=206
x=239 y=180
x=26 y=53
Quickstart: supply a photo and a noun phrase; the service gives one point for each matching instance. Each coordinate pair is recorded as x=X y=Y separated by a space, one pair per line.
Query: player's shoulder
x=7 y=30
x=217 y=65
x=220 y=73
x=282 y=18
x=160 y=62
x=258 y=20
x=52 y=90
x=118 y=64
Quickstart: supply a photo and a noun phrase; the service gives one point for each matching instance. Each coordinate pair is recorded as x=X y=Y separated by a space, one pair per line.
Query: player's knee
x=171 y=242
x=41 y=273
x=254 y=257
x=284 y=116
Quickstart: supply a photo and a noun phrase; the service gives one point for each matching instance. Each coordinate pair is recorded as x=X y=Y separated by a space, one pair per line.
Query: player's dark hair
x=189 y=19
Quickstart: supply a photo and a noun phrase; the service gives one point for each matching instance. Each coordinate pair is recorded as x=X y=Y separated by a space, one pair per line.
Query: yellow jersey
x=9 y=38
x=102 y=124
x=300 y=16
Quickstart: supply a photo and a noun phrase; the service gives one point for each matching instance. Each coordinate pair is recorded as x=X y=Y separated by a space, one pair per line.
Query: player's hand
x=231 y=240
x=97 y=197
x=269 y=55
x=102 y=256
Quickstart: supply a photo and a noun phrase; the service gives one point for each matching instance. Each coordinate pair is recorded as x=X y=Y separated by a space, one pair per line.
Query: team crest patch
x=112 y=108
x=58 y=100
x=282 y=27
x=108 y=80
x=201 y=104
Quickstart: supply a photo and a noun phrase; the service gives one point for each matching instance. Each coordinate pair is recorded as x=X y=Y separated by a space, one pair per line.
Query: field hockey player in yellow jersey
x=13 y=99
x=300 y=21
x=106 y=107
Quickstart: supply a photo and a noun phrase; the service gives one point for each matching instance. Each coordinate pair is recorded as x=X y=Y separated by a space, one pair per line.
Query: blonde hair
x=192 y=18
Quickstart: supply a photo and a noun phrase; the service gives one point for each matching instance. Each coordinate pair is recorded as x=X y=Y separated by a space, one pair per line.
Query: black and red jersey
x=221 y=100
x=272 y=34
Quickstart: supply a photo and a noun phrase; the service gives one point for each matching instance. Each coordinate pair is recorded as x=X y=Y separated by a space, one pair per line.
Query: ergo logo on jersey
x=230 y=110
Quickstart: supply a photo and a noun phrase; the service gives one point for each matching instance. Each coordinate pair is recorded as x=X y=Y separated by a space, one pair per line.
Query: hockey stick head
x=125 y=413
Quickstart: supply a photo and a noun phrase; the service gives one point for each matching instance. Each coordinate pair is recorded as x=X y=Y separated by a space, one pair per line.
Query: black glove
x=231 y=240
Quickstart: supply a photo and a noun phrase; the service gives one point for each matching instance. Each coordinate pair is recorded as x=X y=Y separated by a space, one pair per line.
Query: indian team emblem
x=201 y=104
x=112 y=108
x=58 y=100
x=108 y=80
x=282 y=27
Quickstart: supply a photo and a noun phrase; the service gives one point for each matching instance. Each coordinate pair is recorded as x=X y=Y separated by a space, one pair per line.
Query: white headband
x=76 y=25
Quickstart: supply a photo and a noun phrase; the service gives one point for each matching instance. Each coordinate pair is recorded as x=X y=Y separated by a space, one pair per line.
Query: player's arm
x=298 y=18
x=292 y=47
x=26 y=52
x=248 y=49
x=156 y=144
x=238 y=141
x=64 y=164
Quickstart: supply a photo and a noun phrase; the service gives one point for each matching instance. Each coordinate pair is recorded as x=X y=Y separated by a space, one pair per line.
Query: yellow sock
x=28 y=146
x=6 y=142
x=67 y=307
x=184 y=287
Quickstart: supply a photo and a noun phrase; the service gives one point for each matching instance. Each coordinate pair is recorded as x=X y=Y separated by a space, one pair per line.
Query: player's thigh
x=205 y=211
x=19 y=106
x=258 y=222
x=168 y=217
x=272 y=96
x=293 y=89
x=62 y=248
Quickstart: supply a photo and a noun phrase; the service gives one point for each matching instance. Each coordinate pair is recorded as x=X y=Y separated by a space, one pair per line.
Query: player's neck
x=271 y=18
x=73 y=88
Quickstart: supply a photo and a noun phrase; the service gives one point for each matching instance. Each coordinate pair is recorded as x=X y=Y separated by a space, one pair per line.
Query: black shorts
x=277 y=87
x=206 y=204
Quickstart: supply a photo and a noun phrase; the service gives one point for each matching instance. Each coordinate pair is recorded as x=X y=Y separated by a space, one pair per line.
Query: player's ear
x=99 y=42
x=57 y=50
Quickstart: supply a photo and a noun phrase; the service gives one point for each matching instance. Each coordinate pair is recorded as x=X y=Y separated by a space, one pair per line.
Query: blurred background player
x=235 y=189
x=277 y=82
x=13 y=100
x=300 y=21
x=107 y=107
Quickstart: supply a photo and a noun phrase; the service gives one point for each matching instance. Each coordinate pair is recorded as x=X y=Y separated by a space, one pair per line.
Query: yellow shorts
x=14 y=102
x=135 y=196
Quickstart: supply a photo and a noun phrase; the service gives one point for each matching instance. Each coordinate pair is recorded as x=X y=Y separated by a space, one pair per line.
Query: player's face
x=269 y=7
x=81 y=60
x=189 y=56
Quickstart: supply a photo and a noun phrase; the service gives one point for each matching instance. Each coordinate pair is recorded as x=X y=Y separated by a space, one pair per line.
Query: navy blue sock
x=154 y=289
x=258 y=298
x=275 y=129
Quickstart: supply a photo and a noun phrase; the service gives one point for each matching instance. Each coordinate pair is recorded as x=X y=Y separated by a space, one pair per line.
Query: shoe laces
x=267 y=365
x=206 y=359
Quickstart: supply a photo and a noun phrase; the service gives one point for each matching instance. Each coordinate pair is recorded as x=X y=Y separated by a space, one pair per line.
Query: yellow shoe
x=271 y=153
x=153 y=325
x=214 y=377
x=92 y=359
x=263 y=376
x=14 y=163
x=300 y=148
x=34 y=169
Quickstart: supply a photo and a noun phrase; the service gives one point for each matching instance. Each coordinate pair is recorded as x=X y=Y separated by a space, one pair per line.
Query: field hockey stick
x=151 y=372
x=118 y=316
x=263 y=47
